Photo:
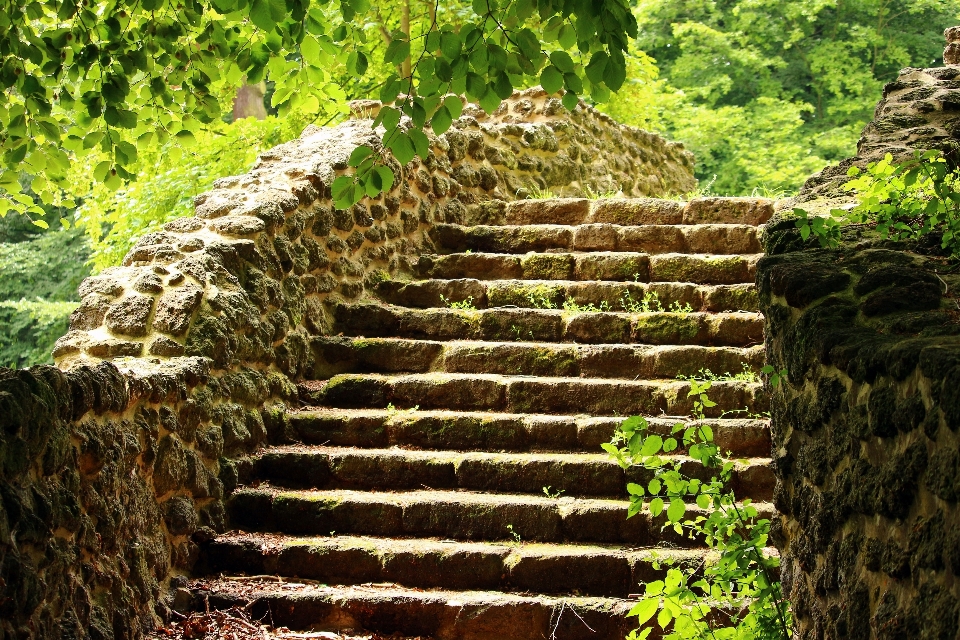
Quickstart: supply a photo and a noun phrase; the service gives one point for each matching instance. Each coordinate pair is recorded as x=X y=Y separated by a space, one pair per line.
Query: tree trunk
x=249 y=102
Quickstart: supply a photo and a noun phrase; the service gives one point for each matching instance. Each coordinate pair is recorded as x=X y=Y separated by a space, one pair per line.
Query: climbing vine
x=735 y=595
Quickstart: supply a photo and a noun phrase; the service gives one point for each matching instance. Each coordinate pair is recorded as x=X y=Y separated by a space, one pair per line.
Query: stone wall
x=866 y=446
x=919 y=110
x=110 y=477
x=114 y=464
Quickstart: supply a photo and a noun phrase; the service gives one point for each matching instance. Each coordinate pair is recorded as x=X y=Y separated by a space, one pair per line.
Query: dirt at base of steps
x=237 y=624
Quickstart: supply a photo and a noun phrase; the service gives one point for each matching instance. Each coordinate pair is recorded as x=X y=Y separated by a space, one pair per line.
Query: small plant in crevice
x=463 y=305
x=902 y=201
x=515 y=540
x=550 y=493
x=393 y=411
x=570 y=305
x=682 y=309
x=539 y=300
x=650 y=303
x=746 y=375
x=733 y=595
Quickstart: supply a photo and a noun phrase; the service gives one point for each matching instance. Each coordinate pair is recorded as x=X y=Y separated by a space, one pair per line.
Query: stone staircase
x=448 y=481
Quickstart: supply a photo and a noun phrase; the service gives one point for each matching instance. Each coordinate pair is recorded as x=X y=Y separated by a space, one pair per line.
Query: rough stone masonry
x=114 y=464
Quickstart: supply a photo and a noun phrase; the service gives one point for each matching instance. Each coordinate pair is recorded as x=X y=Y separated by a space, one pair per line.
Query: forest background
x=764 y=92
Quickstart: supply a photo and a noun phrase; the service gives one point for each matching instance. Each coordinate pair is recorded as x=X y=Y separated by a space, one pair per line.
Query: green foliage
x=122 y=79
x=745 y=375
x=902 y=201
x=38 y=291
x=735 y=595
x=169 y=178
x=463 y=305
x=765 y=92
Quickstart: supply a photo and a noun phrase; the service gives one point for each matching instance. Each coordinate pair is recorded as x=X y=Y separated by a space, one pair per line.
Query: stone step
x=624 y=211
x=591 y=570
x=457 y=515
x=528 y=394
x=654 y=239
x=435 y=614
x=373 y=320
x=569 y=295
x=335 y=355
x=572 y=474
x=602 y=265
x=483 y=431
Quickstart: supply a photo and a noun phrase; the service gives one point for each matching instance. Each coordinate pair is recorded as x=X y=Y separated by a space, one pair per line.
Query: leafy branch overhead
x=119 y=76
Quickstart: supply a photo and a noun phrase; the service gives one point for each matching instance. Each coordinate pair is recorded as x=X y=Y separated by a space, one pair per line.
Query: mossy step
x=437 y=614
x=569 y=295
x=653 y=239
x=624 y=211
x=457 y=515
x=601 y=266
x=373 y=320
x=526 y=394
x=591 y=570
x=573 y=474
x=335 y=355
x=483 y=431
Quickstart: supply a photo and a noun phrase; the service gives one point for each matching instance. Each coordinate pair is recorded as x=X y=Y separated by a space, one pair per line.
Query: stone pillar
x=951 y=53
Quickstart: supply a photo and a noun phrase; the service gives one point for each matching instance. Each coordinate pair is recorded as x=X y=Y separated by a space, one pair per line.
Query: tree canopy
x=121 y=76
x=766 y=92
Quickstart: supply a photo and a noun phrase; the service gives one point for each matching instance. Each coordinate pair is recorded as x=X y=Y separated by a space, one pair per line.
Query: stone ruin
x=126 y=466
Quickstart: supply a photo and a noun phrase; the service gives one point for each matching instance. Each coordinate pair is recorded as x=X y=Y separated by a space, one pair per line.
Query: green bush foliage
x=766 y=92
x=38 y=290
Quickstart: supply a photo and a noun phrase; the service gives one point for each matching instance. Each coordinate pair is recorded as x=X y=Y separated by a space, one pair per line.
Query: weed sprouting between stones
x=735 y=595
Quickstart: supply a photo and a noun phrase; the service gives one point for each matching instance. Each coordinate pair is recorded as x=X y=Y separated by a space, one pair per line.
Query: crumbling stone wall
x=114 y=464
x=866 y=447
x=110 y=477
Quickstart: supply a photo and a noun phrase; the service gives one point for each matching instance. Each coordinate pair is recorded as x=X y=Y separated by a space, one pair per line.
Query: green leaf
x=441 y=120
x=397 y=52
x=341 y=186
x=359 y=154
x=676 y=510
x=489 y=101
x=450 y=44
x=567 y=36
x=551 y=79
x=644 y=610
x=476 y=85
x=562 y=60
x=656 y=507
x=261 y=14
x=454 y=106
x=570 y=100
x=654 y=486
x=503 y=87
x=41 y=223
x=383 y=178
x=402 y=147
x=389 y=118
x=634 y=489
x=420 y=142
